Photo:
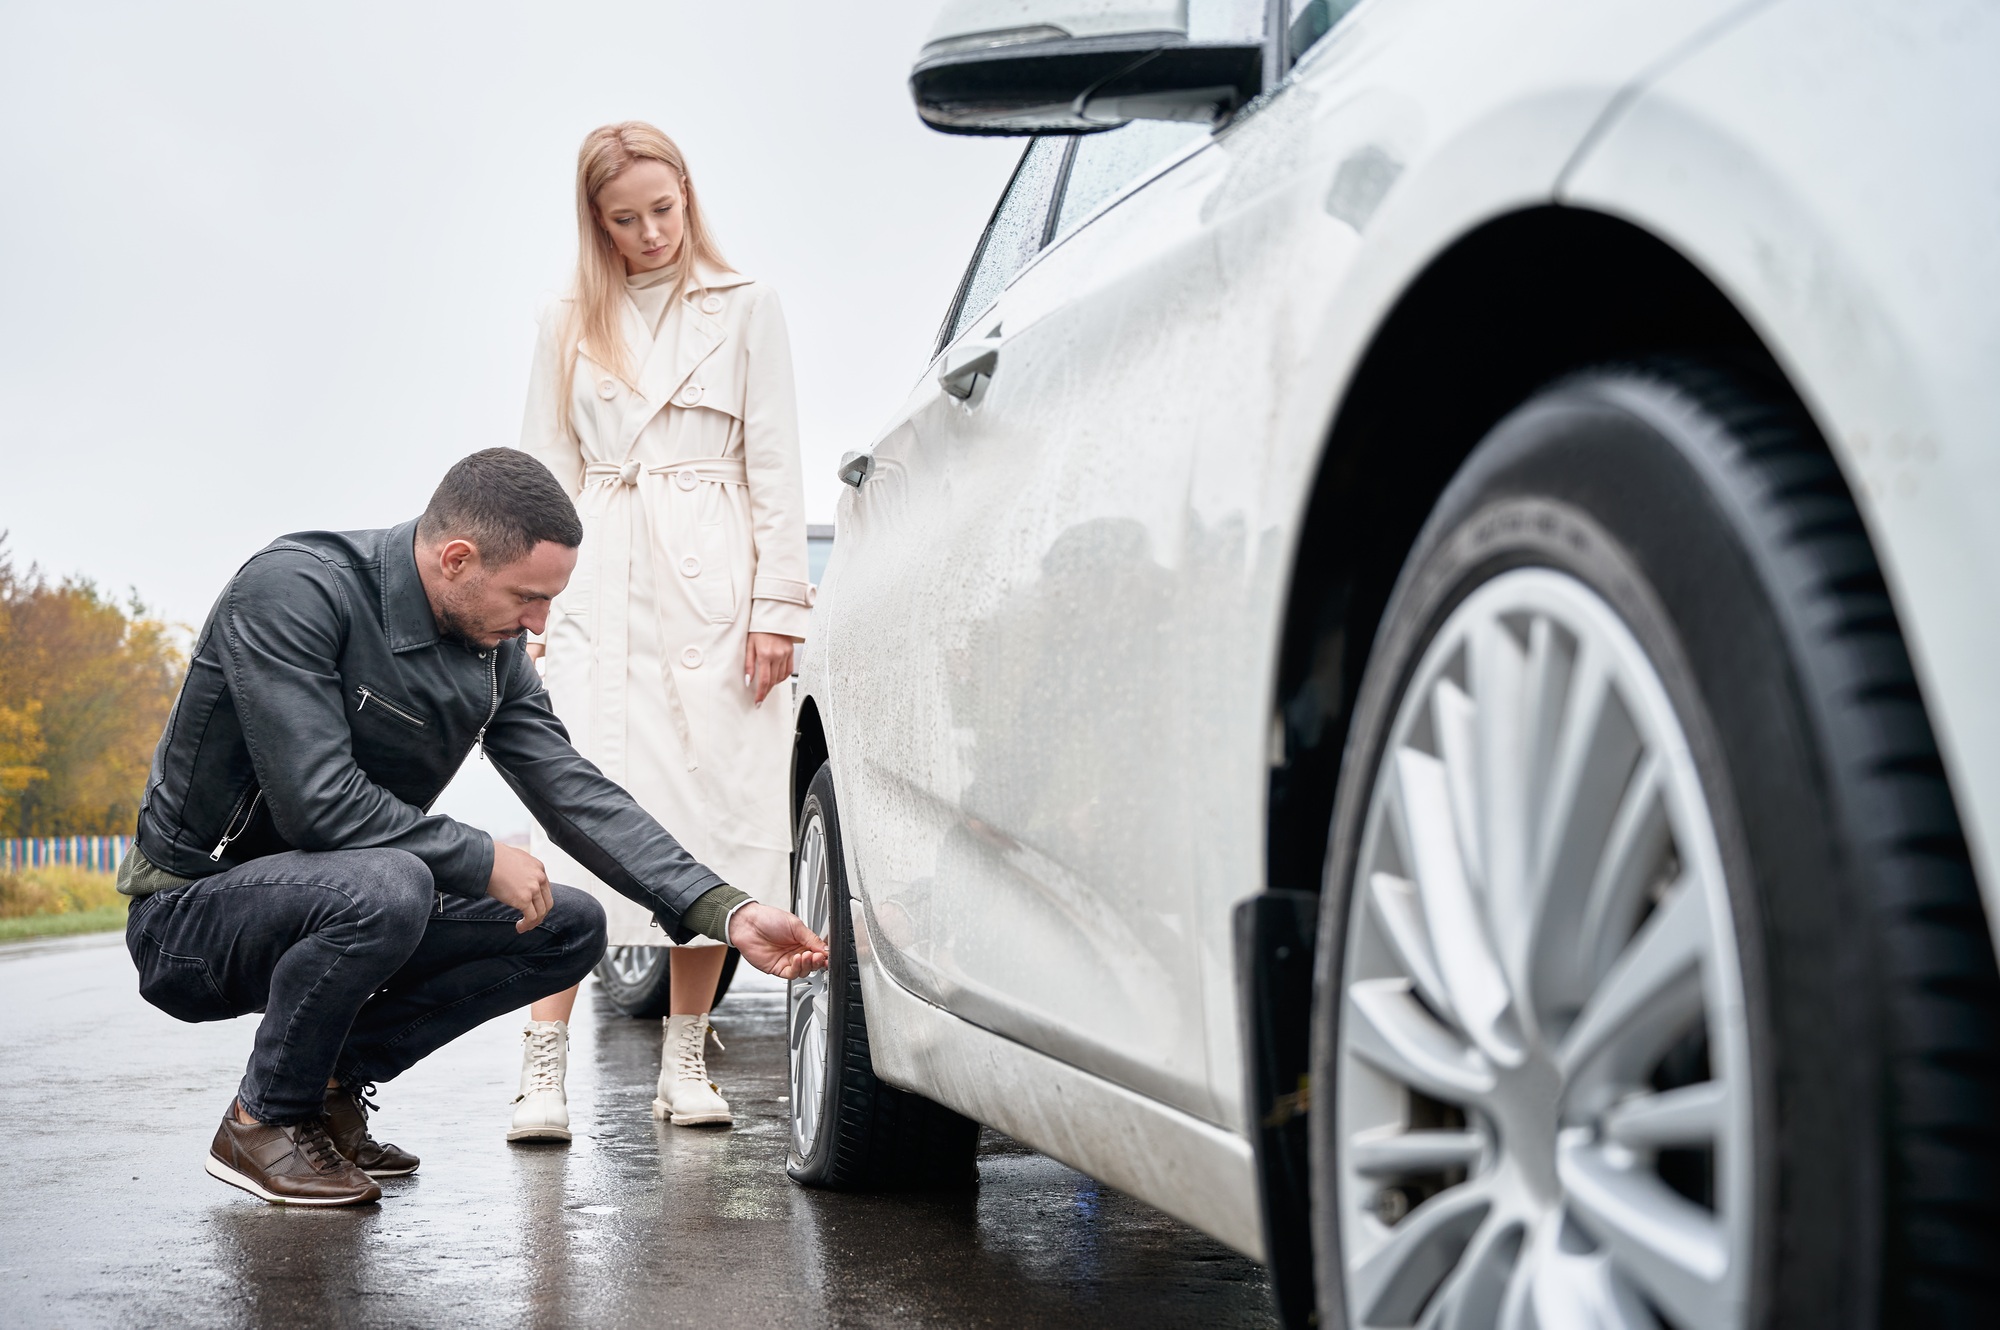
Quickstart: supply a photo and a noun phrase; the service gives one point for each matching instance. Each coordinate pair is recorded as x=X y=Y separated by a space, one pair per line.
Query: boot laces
x=544 y=1060
x=692 y=1045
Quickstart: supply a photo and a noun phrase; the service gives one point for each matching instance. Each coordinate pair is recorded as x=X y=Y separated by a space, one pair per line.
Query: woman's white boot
x=687 y=1098
x=541 y=1110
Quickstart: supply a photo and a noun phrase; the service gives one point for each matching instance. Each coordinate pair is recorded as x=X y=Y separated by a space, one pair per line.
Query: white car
x=1415 y=683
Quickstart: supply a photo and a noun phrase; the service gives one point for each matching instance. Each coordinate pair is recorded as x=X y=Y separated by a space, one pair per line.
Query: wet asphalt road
x=109 y=1107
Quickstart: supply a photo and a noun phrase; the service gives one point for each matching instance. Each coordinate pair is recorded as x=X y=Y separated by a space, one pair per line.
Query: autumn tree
x=85 y=687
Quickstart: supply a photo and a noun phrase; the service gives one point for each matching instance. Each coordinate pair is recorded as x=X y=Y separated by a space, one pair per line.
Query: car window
x=1106 y=163
x=1306 y=21
x=1014 y=235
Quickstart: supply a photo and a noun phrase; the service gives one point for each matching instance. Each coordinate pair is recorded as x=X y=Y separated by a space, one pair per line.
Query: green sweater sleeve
x=709 y=915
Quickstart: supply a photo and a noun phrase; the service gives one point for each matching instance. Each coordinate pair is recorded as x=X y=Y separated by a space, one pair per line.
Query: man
x=285 y=861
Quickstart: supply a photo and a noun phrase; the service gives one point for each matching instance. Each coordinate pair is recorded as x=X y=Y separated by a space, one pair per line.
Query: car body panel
x=1796 y=164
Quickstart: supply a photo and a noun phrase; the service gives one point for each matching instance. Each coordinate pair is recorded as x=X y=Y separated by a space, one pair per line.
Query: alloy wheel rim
x=1543 y=1107
x=806 y=1003
x=633 y=966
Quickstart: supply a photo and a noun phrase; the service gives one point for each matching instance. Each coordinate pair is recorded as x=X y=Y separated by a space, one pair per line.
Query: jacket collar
x=688 y=335
x=406 y=610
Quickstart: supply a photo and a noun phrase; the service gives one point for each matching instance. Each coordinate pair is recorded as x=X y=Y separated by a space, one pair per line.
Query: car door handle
x=963 y=364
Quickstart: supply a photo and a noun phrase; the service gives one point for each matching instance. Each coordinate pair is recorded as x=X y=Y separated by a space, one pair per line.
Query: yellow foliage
x=85 y=687
x=56 y=890
x=20 y=744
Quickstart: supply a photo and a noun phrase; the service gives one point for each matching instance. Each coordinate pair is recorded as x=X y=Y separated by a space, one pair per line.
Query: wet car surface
x=110 y=1105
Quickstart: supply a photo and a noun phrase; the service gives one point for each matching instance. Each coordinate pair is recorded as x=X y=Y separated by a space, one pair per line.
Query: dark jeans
x=360 y=966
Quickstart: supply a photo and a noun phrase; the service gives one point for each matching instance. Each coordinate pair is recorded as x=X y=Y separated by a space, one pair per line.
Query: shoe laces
x=364 y=1100
x=544 y=1059
x=318 y=1147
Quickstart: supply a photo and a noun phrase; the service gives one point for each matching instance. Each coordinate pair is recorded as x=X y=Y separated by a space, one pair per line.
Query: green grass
x=62 y=925
x=57 y=901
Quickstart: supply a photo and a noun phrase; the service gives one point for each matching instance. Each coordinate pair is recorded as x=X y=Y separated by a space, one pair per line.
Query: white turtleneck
x=651 y=291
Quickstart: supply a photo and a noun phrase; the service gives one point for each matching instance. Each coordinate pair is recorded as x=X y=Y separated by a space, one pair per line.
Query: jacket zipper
x=492 y=698
x=230 y=830
x=370 y=695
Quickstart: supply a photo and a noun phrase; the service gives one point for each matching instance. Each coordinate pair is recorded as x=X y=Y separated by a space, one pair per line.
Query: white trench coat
x=688 y=483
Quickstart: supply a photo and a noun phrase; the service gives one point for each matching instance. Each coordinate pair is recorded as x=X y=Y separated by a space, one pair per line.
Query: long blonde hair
x=599 y=291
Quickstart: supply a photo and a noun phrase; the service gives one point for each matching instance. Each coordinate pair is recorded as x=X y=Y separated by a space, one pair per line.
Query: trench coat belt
x=616 y=555
x=716 y=470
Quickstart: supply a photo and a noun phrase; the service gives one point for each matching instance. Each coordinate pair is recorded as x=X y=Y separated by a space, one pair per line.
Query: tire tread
x=1942 y=1011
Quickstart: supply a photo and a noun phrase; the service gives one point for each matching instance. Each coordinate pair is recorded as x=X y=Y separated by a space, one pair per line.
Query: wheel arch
x=809 y=751
x=1511 y=305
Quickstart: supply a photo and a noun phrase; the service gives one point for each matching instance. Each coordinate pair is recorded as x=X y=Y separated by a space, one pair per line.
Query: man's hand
x=520 y=880
x=776 y=942
x=767 y=662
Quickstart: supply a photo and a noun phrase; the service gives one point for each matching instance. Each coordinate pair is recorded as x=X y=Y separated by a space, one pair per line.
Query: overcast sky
x=268 y=267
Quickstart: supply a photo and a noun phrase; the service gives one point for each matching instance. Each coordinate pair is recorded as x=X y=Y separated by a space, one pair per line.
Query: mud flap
x=1274 y=976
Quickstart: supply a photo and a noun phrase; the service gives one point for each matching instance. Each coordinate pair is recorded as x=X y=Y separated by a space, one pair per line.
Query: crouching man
x=285 y=860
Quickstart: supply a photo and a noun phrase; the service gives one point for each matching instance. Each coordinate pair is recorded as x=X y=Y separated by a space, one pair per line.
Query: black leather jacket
x=322 y=711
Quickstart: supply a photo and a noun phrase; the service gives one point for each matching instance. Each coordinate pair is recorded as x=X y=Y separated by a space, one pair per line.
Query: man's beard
x=456 y=626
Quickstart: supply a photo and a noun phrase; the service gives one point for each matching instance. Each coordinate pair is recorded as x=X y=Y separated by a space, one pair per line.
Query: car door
x=904 y=577
x=1025 y=851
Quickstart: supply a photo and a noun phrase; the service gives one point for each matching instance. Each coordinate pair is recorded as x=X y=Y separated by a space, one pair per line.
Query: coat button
x=687 y=480
x=690 y=566
x=607 y=388
x=691 y=657
x=711 y=304
x=691 y=394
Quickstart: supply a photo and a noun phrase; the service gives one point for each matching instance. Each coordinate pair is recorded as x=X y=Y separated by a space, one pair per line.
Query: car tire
x=1692 y=515
x=850 y=1131
x=634 y=980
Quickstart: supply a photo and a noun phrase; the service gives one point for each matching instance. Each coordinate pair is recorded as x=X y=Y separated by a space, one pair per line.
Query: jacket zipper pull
x=362 y=705
x=493 y=698
x=230 y=831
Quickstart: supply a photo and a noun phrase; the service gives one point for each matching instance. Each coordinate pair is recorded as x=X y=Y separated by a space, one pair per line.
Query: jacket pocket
x=370 y=699
x=241 y=815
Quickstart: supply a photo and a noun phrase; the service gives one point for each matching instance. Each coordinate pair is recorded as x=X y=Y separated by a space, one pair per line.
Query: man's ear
x=456 y=556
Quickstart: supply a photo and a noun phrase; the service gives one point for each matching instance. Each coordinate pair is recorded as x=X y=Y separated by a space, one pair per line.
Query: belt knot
x=628 y=474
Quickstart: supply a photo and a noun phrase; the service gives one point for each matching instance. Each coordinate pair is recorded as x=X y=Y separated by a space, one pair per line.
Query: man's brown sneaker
x=290 y=1165
x=347 y=1122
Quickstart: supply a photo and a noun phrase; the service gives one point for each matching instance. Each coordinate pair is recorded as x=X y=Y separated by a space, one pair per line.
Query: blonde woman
x=662 y=398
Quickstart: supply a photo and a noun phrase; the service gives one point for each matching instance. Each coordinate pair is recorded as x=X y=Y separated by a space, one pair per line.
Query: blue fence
x=98 y=853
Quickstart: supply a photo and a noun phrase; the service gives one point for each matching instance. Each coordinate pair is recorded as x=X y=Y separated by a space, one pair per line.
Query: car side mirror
x=1073 y=66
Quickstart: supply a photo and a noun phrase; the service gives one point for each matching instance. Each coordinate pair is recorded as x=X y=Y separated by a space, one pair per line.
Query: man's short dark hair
x=504 y=502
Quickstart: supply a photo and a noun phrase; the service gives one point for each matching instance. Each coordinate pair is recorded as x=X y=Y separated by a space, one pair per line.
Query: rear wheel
x=1660 y=990
x=851 y=1132
x=635 y=979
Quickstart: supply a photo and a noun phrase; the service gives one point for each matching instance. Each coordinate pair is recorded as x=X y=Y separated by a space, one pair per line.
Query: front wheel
x=1658 y=989
x=851 y=1132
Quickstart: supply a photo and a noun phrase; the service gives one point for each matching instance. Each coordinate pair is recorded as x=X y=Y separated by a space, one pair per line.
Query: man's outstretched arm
x=603 y=828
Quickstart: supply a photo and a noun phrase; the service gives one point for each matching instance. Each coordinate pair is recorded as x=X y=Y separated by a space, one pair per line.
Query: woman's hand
x=767 y=662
